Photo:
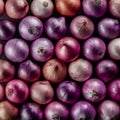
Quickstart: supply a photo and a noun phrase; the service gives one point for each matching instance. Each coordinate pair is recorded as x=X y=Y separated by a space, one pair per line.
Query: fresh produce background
x=59 y=60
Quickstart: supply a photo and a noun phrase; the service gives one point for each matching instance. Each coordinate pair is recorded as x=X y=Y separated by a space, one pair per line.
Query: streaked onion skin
x=1 y=49
x=2 y=7
x=8 y=111
x=68 y=8
x=67 y=49
x=106 y=70
x=41 y=92
x=80 y=70
x=92 y=90
x=16 y=91
x=2 y=92
x=81 y=27
x=42 y=8
x=16 y=9
x=29 y=71
x=56 y=111
x=83 y=110
x=54 y=70
x=7 y=70
x=108 y=110
x=31 y=111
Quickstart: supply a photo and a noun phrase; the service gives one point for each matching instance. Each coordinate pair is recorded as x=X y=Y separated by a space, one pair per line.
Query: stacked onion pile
x=59 y=60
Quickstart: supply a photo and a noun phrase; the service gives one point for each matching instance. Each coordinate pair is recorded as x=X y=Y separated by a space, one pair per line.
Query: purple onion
x=56 y=111
x=94 y=8
x=29 y=71
x=109 y=28
x=31 y=111
x=92 y=91
x=42 y=49
x=1 y=49
x=7 y=29
x=83 y=110
x=94 y=49
x=16 y=50
x=68 y=92
x=56 y=28
x=30 y=28
x=106 y=70
x=81 y=27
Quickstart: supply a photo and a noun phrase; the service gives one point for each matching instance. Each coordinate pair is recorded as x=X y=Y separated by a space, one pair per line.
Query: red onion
x=29 y=71
x=2 y=5
x=81 y=27
x=67 y=49
x=41 y=92
x=56 y=111
x=16 y=50
x=83 y=110
x=109 y=110
x=1 y=49
x=8 y=111
x=114 y=49
x=68 y=8
x=94 y=49
x=42 y=49
x=94 y=8
x=68 y=92
x=114 y=89
x=92 y=91
x=2 y=92
x=7 y=71
x=56 y=28
x=106 y=70
x=7 y=29
x=16 y=9
x=80 y=70
x=109 y=28
x=16 y=91
x=54 y=70
x=31 y=111
x=42 y=8
x=30 y=28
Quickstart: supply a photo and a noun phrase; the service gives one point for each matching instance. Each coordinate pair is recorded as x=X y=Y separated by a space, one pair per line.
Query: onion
x=54 y=70
x=29 y=71
x=68 y=92
x=106 y=70
x=114 y=8
x=7 y=70
x=68 y=8
x=31 y=111
x=42 y=49
x=56 y=28
x=109 y=28
x=16 y=91
x=2 y=92
x=8 y=111
x=7 y=29
x=16 y=50
x=16 y=9
x=56 y=111
x=92 y=91
x=94 y=8
x=30 y=28
x=94 y=49
x=81 y=27
x=1 y=49
x=114 y=49
x=42 y=8
x=80 y=70
x=67 y=49
x=2 y=5
x=41 y=92
x=109 y=110
x=83 y=110
x=114 y=89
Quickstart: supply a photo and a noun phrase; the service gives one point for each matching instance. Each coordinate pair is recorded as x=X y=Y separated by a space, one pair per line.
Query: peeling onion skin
x=55 y=70
x=2 y=92
x=8 y=111
x=2 y=7
x=16 y=9
x=68 y=8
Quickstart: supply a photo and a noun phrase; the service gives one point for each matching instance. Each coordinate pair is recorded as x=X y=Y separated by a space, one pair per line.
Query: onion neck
x=10 y=91
x=97 y=51
x=41 y=50
x=94 y=94
x=55 y=117
x=82 y=26
x=45 y=4
x=33 y=30
x=98 y=2
x=82 y=118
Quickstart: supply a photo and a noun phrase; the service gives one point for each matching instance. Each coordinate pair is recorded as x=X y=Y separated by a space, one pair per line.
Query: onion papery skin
x=54 y=70
x=2 y=7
